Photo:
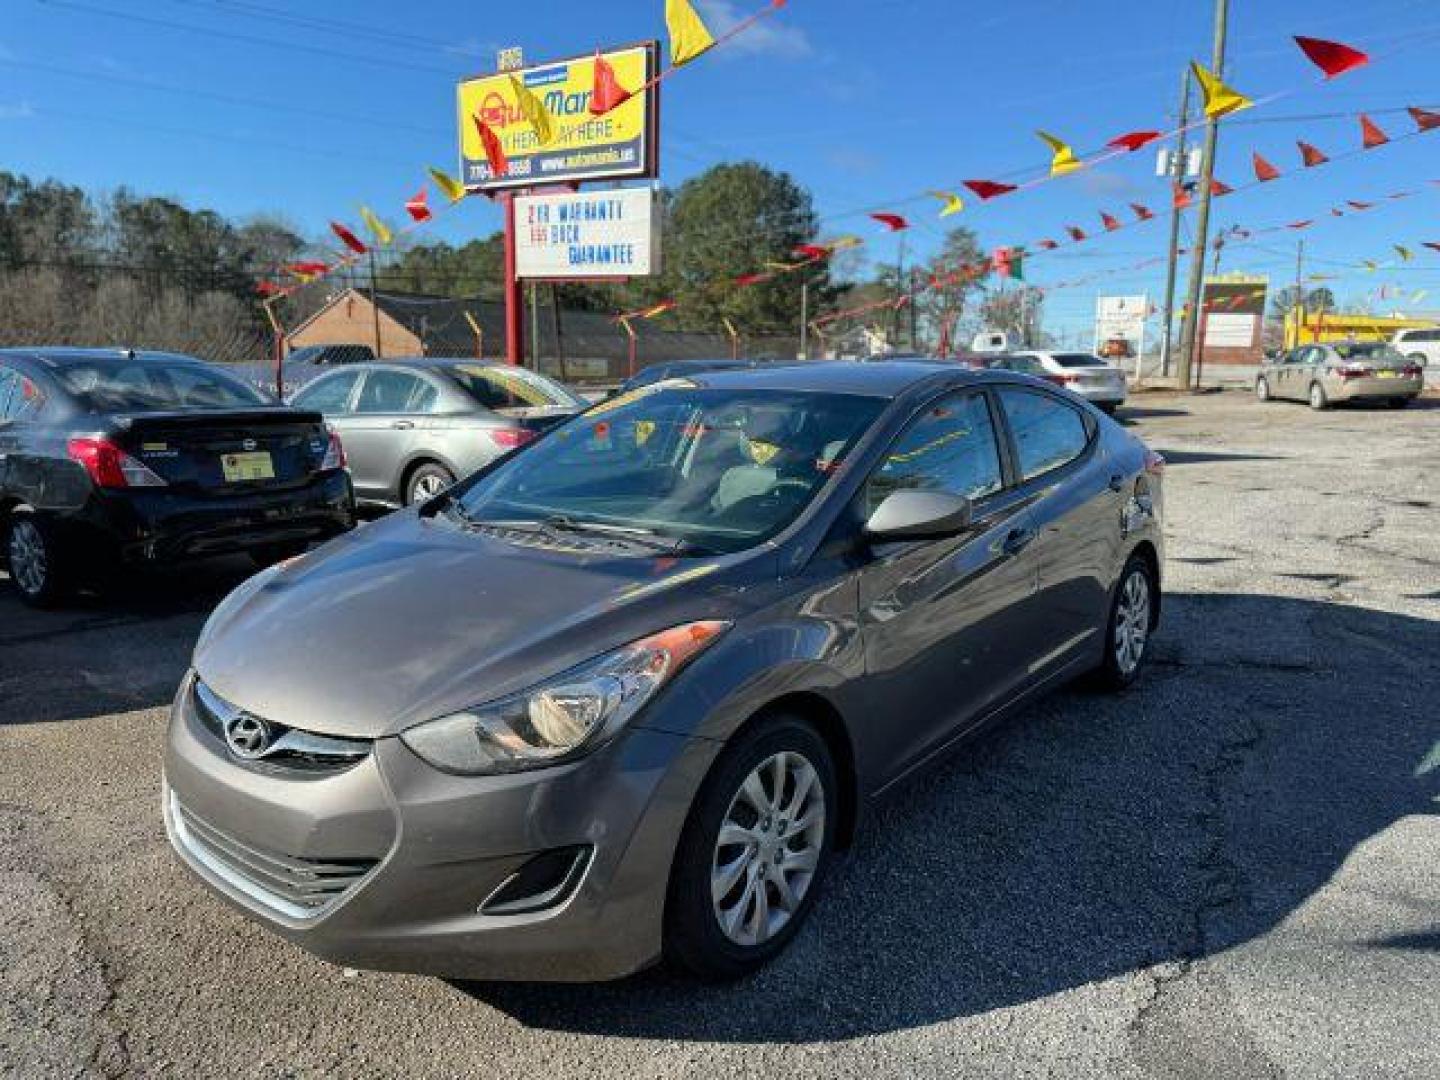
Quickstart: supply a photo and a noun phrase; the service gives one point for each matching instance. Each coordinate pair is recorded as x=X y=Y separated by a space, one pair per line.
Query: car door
x=943 y=621
x=382 y=431
x=1075 y=494
x=24 y=466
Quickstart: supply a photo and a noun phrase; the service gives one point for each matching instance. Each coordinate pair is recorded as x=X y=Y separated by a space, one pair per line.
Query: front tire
x=1262 y=390
x=37 y=565
x=1132 y=618
x=1319 y=401
x=1399 y=402
x=754 y=851
x=426 y=482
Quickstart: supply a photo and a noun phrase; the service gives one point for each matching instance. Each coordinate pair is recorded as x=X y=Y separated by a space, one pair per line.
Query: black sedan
x=113 y=458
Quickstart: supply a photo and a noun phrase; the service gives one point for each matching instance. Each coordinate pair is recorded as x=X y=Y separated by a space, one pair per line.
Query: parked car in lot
x=412 y=427
x=678 y=369
x=1421 y=346
x=113 y=457
x=1332 y=372
x=624 y=693
x=1101 y=383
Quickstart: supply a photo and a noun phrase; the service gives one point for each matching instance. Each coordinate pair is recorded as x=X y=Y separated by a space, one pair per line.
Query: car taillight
x=1412 y=371
x=109 y=466
x=1154 y=463
x=1353 y=371
x=509 y=438
x=334 y=453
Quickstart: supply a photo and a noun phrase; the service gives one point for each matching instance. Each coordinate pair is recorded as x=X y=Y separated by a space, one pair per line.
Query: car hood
x=413 y=618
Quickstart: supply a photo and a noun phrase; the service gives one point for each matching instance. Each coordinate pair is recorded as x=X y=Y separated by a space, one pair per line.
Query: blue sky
x=312 y=109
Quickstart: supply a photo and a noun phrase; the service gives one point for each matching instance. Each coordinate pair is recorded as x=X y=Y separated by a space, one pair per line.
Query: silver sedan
x=1325 y=373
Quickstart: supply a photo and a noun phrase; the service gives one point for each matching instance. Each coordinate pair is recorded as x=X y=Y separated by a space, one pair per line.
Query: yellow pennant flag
x=1418 y=297
x=1220 y=100
x=1064 y=159
x=453 y=189
x=534 y=110
x=689 y=37
x=841 y=243
x=1405 y=253
x=378 y=228
x=1369 y=266
x=952 y=203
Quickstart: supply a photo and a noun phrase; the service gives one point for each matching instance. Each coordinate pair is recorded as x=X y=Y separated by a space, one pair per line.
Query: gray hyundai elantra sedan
x=622 y=694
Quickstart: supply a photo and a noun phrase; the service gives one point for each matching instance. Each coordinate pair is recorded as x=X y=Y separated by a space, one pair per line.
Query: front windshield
x=497 y=387
x=719 y=470
x=104 y=386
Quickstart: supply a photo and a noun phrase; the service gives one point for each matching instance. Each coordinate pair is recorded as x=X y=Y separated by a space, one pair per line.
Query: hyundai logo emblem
x=248 y=736
x=249 y=444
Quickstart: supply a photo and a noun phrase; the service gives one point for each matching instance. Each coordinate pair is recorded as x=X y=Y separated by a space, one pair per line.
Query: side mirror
x=919 y=515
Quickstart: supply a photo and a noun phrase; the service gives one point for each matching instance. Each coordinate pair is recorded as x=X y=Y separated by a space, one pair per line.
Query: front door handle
x=1117 y=482
x=1018 y=540
x=403 y=425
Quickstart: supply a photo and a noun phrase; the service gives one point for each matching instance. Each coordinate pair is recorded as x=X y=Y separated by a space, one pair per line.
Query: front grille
x=289 y=750
x=297 y=888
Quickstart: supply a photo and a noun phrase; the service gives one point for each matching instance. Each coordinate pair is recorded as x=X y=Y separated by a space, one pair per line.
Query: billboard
x=1233 y=312
x=597 y=234
x=1121 y=318
x=620 y=144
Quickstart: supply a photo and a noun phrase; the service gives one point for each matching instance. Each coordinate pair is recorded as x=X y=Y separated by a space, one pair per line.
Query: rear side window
x=1075 y=359
x=1048 y=433
x=950 y=447
x=9 y=389
x=329 y=395
x=102 y=386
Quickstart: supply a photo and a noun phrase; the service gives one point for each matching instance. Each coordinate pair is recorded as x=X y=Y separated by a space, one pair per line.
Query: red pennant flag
x=745 y=280
x=1142 y=213
x=1432 y=244
x=893 y=222
x=1219 y=188
x=606 y=93
x=1180 y=198
x=1355 y=204
x=1424 y=119
x=1076 y=233
x=269 y=288
x=1335 y=211
x=306 y=269
x=1110 y=222
x=1048 y=245
x=1331 y=57
x=1300 y=224
x=989 y=189
x=811 y=251
x=1370 y=133
x=494 y=152
x=1132 y=140
x=1264 y=171
x=1310 y=155
x=1400 y=194
x=419 y=206
x=348 y=238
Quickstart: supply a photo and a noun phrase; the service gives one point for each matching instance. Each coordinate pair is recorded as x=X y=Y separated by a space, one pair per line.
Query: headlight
x=565 y=716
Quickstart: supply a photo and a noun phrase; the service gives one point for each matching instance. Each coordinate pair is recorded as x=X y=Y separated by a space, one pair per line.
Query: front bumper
x=1372 y=389
x=157 y=525
x=426 y=850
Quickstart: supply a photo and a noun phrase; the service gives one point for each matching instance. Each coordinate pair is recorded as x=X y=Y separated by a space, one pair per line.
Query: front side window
x=393 y=392
x=9 y=389
x=950 y=446
x=330 y=395
x=719 y=469
x=1048 y=433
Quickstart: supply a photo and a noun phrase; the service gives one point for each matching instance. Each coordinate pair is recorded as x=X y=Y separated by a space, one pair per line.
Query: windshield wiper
x=632 y=533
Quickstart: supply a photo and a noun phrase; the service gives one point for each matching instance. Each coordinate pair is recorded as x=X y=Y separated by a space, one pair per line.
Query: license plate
x=1385 y=374
x=251 y=465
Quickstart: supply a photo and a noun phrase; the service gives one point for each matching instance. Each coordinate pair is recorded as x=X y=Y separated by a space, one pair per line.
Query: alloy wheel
x=428 y=486
x=1132 y=622
x=29 y=561
x=1262 y=390
x=768 y=848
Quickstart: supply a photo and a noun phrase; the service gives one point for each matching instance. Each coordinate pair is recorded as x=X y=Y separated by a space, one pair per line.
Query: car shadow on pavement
x=99 y=653
x=1091 y=837
x=1206 y=457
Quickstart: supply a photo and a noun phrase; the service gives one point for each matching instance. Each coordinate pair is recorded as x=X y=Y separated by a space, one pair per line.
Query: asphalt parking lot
x=1229 y=871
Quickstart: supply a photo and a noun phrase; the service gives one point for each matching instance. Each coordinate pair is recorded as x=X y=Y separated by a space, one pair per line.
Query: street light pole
x=1177 y=171
x=1189 y=338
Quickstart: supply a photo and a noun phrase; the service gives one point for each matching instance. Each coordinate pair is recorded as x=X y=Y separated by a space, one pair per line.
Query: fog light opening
x=546 y=881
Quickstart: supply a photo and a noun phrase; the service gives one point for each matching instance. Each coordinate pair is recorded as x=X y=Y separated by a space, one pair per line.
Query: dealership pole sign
x=618 y=145
x=1121 y=318
x=596 y=234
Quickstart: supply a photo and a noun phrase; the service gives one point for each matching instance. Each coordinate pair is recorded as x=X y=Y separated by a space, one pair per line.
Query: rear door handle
x=403 y=425
x=1018 y=540
x=1117 y=482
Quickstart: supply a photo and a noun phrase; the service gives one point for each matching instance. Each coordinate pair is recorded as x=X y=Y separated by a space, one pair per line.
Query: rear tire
x=1319 y=401
x=1399 y=402
x=38 y=568
x=1128 y=631
x=426 y=482
x=733 y=906
x=1262 y=391
x=1109 y=408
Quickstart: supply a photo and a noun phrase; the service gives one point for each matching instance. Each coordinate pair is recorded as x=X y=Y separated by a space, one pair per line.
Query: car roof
x=884 y=380
x=58 y=356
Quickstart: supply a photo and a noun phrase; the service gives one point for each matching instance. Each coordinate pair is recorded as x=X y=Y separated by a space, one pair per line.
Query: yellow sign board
x=619 y=144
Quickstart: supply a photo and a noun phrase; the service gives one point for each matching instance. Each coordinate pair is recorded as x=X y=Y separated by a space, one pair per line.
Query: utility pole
x=375 y=307
x=910 y=303
x=899 y=292
x=1190 y=338
x=1297 y=305
x=804 y=319
x=1177 y=171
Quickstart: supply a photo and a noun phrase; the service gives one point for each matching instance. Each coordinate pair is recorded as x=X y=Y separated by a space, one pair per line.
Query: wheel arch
x=1146 y=550
x=414 y=464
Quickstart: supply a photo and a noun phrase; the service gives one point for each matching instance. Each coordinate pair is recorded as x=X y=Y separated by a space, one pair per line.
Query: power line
x=360 y=31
